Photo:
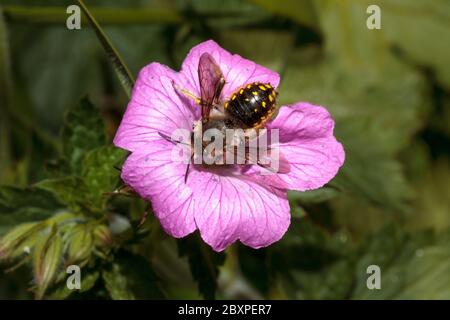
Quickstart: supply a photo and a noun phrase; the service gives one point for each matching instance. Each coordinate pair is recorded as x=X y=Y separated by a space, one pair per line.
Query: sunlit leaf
x=100 y=173
x=83 y=131
x=71 y=191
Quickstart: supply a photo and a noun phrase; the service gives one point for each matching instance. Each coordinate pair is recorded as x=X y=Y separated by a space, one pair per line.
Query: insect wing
x=211 y=83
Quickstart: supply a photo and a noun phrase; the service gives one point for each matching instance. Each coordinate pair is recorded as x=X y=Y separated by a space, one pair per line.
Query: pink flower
x=225 y=204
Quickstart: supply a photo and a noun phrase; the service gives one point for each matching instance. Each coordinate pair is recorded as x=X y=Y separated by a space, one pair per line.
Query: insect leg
x=187 y=93
x=163 y=135
x=187 y=168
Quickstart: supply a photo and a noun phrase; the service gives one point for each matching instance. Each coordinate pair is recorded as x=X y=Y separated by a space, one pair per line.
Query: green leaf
x=255 y=267
x=99 y=172
x=83 y=131
x=72 y=191
x=413 y=265
x=377 y=112
x=204 y=263
x=408 y=26
x=122 y=72
x=98 y=175
x=24 y=205
x=130 y=277
x=311 y=263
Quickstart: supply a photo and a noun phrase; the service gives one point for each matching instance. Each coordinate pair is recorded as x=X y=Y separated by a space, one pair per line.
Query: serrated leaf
x=130 y=277
x=71 y=191
x=24 y=205
x=121 y=69
x=203 y=262
x=99 y=172
x=83 y=131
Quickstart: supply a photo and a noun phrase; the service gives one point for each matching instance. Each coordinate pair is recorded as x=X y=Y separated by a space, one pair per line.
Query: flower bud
x=46 y=260
x=103 y=236
x=14 y=240
x=80 y=245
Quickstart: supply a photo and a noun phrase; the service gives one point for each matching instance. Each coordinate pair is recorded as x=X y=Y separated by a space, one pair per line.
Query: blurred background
x=388 y=90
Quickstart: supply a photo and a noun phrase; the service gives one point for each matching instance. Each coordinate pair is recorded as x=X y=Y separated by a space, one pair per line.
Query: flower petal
x=155 y=107
x=236 y=70
x=307 y=141
x=156 y=178
x=229 y=208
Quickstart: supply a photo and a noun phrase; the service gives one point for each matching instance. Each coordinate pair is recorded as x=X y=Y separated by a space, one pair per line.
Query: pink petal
x=155 y=107
x=236 y=70
x=229 y=208
x=307 y=141
x=153 y=175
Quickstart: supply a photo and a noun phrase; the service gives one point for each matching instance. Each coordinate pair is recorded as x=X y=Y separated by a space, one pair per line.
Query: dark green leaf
x=71 y=191
x=99 y=171
x=25 y=205
x=204 y=263
x=312 y=264
x=376 y=115
x=413 y=265
x=255 y=267
x=131 y=277
x=83 y=131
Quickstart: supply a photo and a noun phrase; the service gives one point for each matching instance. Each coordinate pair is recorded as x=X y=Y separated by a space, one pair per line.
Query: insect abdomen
x=253 y=104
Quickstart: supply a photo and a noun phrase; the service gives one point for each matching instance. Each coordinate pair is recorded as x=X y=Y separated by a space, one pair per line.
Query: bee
x=248 y=108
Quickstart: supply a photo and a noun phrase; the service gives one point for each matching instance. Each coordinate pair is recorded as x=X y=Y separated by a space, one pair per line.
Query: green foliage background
x=388 y=89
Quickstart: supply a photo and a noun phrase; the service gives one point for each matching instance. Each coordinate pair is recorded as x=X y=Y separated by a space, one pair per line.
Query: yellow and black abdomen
x=252 y=105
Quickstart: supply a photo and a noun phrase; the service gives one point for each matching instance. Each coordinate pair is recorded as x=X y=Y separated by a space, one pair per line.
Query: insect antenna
x=166 y=137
